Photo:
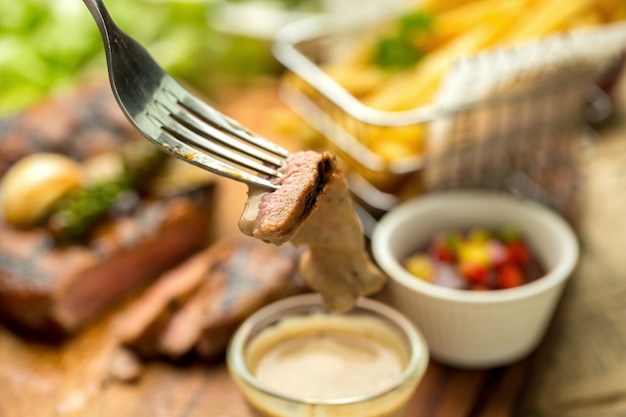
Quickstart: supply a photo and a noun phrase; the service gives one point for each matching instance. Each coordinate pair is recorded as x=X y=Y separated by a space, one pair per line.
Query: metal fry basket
x=523 y=136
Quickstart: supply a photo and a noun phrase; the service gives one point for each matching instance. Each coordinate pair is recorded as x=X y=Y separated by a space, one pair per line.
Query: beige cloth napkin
x=580 y=369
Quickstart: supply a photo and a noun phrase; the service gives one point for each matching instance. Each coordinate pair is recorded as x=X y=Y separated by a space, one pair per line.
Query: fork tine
x=210 y=115
x=152 y=127
x=189 y=154
x=213 y=133
x=160 y=113
x=189 y=136
x=210 y=131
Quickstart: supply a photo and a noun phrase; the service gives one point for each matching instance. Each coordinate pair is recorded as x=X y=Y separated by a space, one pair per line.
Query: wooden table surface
x=71 y=379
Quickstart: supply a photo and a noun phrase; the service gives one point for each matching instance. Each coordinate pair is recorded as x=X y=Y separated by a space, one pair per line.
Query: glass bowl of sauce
x=295 y=358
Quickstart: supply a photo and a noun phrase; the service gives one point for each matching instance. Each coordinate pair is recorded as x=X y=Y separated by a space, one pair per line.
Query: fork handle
x=101 y=16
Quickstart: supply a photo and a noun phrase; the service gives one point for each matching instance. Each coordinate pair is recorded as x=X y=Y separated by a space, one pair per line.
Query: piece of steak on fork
x=313 y=208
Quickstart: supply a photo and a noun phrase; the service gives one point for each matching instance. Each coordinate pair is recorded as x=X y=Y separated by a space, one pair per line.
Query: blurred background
x=48 y=46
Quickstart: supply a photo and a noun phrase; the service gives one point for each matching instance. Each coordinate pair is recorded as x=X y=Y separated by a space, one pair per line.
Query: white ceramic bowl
x=475 y=329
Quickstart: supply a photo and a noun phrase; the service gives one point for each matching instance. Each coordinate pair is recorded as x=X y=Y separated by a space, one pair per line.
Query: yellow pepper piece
x=474 y=252
x=420 y=266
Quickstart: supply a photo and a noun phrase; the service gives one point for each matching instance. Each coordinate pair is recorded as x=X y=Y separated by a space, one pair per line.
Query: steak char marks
x=195 y=307
x=276 y=217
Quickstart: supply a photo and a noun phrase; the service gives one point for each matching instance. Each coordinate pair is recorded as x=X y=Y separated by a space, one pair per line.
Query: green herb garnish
x=79 y=212
x=83 y=209
x=399 y=49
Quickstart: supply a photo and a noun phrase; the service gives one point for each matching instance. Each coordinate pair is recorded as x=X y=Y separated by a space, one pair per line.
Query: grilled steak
x=148 y=315
x=52 y=289
x=196 y=306
x=313 y=208
x=89 y=116
x=276 y=217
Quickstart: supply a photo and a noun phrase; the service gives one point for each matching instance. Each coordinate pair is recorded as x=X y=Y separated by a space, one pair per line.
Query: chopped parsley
x=398 y=49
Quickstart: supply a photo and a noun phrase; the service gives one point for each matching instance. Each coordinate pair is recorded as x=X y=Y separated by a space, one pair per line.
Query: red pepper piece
x=442 y=250
x=518 y=252
x=475 y=273
x=509 y=276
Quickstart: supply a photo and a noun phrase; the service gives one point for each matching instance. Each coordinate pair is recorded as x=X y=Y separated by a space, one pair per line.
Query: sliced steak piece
x=56 y=290
x=238 y=277
x=276 y=217
x=147 y=317
x=313 y=208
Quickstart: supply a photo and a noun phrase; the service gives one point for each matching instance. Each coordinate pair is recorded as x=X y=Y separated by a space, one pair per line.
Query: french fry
x=611 y=10
x=585 y=20
x=438 y=6
x=398 y=142
x=357 y=80
x=454 y=22
x=546 y=17
x=417 y=87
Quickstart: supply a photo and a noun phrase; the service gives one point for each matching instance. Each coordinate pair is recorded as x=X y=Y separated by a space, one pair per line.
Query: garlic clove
x=32 y=186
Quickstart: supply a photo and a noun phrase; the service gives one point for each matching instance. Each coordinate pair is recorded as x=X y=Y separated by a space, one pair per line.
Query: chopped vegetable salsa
x=476 y=259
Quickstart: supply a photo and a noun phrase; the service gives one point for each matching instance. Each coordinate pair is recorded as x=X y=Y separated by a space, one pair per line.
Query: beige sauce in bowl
x=326 y=357
x=329 y=365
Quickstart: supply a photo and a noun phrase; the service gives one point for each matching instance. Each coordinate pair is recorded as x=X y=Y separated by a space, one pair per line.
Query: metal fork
x=174 y=119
